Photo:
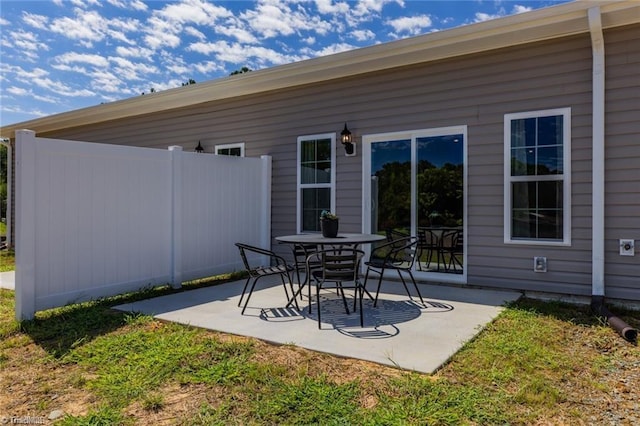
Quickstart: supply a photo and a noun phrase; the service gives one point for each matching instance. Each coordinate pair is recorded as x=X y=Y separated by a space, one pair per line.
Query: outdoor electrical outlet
x=540 y=264
x=627 y=248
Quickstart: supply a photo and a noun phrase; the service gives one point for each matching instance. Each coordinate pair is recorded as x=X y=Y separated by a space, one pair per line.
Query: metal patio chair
x=337 y=266
x=398 y=255
x=277 y=266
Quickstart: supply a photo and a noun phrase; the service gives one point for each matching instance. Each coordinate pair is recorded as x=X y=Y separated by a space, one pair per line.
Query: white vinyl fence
x=95 y=220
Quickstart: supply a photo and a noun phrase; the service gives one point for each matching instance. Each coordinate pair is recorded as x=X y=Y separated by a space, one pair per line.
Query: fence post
x=25 y=290
x=266 y=200
x=175 y=153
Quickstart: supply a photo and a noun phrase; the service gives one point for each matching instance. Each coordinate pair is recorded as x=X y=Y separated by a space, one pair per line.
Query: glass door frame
x=413 y=135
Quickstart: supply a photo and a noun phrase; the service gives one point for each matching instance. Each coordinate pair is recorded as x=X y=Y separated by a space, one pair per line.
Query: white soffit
x=538 y=25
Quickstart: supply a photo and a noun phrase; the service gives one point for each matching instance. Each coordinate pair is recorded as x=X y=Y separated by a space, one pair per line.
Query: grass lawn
x=537 y=363
x=7 y=260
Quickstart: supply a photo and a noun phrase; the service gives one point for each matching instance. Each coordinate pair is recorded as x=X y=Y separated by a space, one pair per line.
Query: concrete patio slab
x=8 y=280
x=398 y=332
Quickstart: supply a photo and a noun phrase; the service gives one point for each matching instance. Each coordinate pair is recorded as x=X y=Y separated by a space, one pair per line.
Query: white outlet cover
x=627 y=248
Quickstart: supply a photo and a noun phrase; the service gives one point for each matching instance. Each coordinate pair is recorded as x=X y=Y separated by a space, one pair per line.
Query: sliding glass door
x=415 y=185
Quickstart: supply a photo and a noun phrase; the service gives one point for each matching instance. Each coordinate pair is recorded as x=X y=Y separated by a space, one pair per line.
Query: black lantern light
x=347 y=140
x=199 y=149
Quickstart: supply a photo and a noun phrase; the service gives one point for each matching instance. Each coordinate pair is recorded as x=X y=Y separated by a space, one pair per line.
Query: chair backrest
x=404 y=251
x=393 y=234
x=429 y=238
x=251 y=266
x=341 y=264
x=398 y=252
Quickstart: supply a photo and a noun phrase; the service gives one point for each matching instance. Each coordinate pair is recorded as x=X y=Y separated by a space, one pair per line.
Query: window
x=233 y=149
x=537 y=177
x=316 y=179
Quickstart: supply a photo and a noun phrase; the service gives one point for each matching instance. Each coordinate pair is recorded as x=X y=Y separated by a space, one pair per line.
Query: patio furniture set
x=331 y=263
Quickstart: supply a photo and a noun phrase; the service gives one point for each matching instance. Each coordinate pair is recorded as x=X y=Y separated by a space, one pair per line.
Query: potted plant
x=328 y=224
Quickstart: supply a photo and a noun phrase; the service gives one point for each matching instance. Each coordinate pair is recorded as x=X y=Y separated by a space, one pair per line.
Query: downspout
x=598 y=191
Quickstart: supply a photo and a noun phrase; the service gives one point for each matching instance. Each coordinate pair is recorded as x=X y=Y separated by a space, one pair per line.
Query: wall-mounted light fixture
x=347 y=141
x=199 y=149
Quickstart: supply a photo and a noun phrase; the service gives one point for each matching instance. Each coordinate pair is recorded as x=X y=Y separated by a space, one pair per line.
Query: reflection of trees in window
x=440 y=195
x=394 y=195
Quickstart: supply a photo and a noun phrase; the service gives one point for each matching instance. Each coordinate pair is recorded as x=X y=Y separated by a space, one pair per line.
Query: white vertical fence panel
x=96 y=220
x=222 y=203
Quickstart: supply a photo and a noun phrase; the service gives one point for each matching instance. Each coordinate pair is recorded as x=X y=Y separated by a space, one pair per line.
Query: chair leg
x=344 y=299
x=360 y=289
x=415 y=285
x=293 y=299
x=404 y=284
x=318 y=302
x=244 y=289
x=246 y=302
x=375 y=301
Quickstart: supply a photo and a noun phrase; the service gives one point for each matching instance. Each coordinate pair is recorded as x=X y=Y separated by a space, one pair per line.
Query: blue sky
x=62 y=55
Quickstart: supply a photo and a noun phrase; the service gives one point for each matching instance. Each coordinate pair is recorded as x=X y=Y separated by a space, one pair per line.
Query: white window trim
x=566 y=176
x=300 y=186
x=230 y=146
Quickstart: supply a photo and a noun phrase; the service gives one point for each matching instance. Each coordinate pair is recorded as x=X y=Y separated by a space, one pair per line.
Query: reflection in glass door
x=417 y=188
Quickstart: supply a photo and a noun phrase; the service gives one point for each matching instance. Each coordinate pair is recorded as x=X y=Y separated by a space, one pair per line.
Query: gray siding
x=476 y=91
x=622 y=161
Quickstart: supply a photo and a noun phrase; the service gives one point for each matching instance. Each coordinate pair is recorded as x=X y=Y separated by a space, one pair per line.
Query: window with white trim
x=537 y=177
x=316 y=179
x=233 y=149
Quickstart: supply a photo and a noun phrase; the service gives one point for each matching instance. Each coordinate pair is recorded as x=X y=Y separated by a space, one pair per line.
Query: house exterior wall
x=476 y=91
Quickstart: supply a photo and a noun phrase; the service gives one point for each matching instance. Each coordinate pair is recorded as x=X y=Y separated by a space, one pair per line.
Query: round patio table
x=317 y=239
x=342 y=239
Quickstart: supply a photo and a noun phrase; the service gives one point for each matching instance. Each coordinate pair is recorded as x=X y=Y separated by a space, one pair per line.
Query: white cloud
x=481 y=17
x=329 y=7
x=18 y=91
x=331 y=49
x=134 y=4
x=134 y=51
x=106 y=81
x=521 y=9
x=195 y=33
x=128 y=70
x=85 y=3
x=83 y=58
x=207 y=67
x=86 y=27
x=242 y=54
x=272 y=18
x=60 y=87
x=22 y=92
x=161 y=33
x=36 y=21
x=412 y=25
x=368 y=7
x=4 y=21
x=28 y=41
x=193 y=11
x=363 y=35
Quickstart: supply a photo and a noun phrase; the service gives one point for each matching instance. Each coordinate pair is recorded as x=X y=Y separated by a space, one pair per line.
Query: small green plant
x=326 y=214
x=153 y=402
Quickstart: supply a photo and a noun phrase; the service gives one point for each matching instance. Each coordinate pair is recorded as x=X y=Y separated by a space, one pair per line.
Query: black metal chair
x=453 y=246
x=398 y=255
x=429 y=244
x=337 y=266
x=300 y=254
x=276 y=265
